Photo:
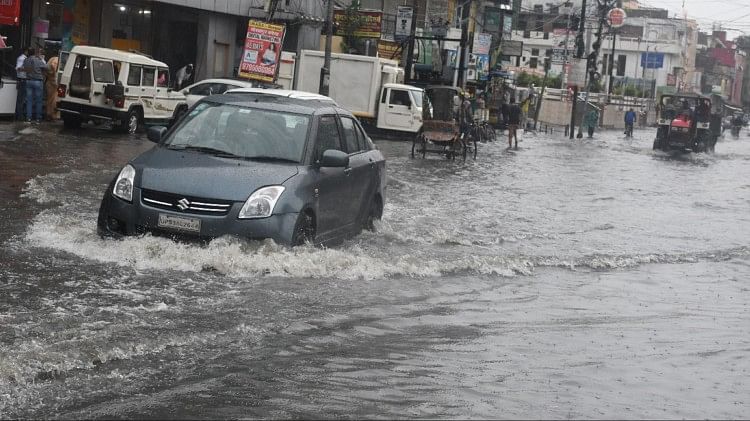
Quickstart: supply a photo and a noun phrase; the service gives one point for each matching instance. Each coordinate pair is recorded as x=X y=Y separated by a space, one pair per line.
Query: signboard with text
x=652 y=60
x=404 y=16
x=482 y=43
x=260 y=57
x=10 y=12
x=511 y=48
x=369 y=23
x=616 y=17
x=559 y=56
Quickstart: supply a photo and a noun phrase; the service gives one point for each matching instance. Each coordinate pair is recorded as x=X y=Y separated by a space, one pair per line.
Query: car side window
x=362 y=139
x=163 y=80
x=104 y=72
x=149 y=76
x=399 y=97
x=327 y=136
x=134 y=76
x=200 y=89
x=350 y=135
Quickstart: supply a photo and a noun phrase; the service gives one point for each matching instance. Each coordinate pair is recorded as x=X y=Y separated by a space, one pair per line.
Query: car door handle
x=348 y=171
x=97 y=93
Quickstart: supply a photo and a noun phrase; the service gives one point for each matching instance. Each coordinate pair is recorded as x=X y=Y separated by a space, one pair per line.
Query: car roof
x=278 y=103
x=302 y=95
x=225 y=80
x=402 y=86
x=124 y=56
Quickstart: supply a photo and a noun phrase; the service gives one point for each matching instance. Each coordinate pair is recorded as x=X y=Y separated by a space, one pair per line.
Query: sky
x=734 y=15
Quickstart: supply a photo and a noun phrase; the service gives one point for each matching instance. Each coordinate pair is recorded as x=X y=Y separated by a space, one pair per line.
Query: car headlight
x=260 y=204
x=124 y=184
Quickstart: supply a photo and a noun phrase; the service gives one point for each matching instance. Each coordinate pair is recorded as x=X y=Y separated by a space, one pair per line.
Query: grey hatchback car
x=291 y=170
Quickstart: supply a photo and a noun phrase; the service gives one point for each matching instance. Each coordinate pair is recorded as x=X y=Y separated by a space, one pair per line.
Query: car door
x=333 y=185
x=102 y=73
x=361 y=165
x=148 y=92
x=398 y=111
x=164 y=106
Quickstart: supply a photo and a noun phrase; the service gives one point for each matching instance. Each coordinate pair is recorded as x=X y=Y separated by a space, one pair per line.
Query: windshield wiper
x=270 y=158
x=206 y=149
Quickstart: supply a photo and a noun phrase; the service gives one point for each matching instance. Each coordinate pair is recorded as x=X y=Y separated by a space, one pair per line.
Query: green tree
x=351 y=23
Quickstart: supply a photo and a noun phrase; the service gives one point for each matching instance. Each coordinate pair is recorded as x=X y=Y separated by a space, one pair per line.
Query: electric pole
x=325 y=71
x=410 y=51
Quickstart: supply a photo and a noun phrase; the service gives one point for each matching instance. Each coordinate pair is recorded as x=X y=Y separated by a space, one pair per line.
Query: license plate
x=179 y=223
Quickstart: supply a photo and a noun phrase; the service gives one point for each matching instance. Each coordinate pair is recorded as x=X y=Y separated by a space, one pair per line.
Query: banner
x=262 y=52
x=482 y=43
x=482 y=62
x=370 y=23
x=404 y=18
x=390 y=50
x=10 y=12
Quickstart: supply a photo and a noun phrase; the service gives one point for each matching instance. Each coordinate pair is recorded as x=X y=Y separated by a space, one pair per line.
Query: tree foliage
x=350 y=24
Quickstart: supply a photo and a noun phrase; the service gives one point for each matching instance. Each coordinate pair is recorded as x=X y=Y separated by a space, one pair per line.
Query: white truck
x=366 y=86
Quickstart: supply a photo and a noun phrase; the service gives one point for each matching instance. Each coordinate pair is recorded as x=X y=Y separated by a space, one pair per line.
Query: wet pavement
x=568 y=279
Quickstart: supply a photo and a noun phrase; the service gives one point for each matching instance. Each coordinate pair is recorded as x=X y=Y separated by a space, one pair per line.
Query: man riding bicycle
x=630 y=118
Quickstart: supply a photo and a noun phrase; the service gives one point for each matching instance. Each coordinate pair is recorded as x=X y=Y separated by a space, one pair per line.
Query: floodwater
x=567 y=279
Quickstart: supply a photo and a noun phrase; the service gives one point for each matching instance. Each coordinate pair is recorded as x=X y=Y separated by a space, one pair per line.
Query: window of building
x=131 y=27
x=538 y=8
x=554 y=10
x=533 y=62
x=527 y=34
x=605 y=64
x=535 y=52
x=621 y=61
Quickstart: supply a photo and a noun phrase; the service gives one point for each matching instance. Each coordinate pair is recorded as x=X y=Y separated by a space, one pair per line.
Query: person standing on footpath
x=34 y=66
x=21 y=85
x=514 y=119
x=50 y=86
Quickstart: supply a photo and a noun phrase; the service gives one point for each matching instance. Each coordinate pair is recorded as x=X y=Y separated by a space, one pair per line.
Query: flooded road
x=568 y=279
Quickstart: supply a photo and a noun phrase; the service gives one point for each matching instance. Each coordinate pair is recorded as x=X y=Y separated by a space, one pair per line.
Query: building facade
x=207 y=33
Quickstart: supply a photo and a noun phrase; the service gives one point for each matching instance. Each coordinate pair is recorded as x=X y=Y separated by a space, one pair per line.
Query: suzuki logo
x=183 y=204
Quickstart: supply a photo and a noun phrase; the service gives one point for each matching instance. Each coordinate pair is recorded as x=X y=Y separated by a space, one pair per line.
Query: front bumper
x=120 y=218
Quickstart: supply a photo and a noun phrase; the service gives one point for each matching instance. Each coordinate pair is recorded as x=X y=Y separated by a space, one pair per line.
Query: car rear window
x=104 y=72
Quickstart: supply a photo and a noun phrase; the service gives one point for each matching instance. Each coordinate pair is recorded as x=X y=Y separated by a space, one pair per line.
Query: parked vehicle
x=291 y=170
x=126 y=89
x=366 y=86
x=308 y=96
x=207 y=87
x=686 y=122
x=441 y=132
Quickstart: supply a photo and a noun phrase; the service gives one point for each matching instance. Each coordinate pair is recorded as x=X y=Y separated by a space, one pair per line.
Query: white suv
x=127 y=89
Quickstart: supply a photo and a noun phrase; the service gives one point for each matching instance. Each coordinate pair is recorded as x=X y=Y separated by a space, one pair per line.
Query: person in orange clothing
x=50 y=86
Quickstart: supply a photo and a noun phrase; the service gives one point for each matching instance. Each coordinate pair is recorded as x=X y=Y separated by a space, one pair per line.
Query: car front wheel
x=304 y=229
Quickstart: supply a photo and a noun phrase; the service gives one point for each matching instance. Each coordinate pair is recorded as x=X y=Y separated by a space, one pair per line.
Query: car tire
x=132 y=121
x=304 y=229
x=71 y=122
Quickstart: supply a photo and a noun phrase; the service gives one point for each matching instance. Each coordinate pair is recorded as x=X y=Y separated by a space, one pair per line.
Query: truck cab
x=126 y=89
x=400 y=108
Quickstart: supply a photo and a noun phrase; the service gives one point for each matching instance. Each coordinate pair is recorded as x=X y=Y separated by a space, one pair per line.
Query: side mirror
x=156 y=133
x=334 y=159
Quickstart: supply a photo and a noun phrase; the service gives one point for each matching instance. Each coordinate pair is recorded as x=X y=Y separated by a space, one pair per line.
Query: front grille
x=185 y=204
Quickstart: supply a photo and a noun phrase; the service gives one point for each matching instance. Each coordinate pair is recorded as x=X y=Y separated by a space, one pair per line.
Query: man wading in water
x=514 y=119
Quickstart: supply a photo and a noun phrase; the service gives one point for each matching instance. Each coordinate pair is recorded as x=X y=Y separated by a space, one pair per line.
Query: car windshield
x=417 y=98
x=241 y=132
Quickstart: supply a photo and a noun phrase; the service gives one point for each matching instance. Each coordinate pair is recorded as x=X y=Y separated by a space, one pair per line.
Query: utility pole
x=410 y=51
x=325 y=71
x=569 y=7
x=611 y=62
x=547 y=64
